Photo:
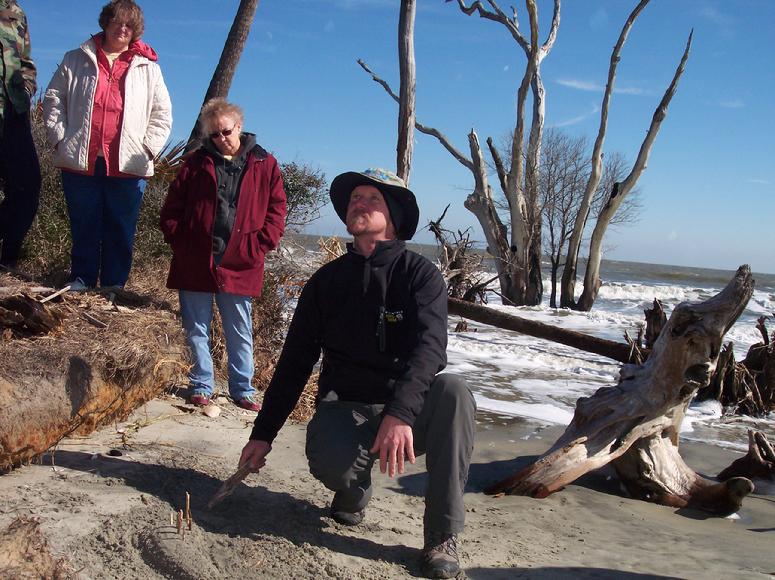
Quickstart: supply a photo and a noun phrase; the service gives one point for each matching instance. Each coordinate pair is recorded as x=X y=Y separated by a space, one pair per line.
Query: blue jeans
x=103 y=217
x=196 y=310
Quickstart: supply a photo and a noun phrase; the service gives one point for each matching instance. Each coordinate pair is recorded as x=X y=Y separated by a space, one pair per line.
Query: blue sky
x=708 y=192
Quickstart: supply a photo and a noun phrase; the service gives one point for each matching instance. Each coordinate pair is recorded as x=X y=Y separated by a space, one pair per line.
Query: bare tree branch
x=511 y=25
x=498 y=161
x=549 y=42
x=462 y=159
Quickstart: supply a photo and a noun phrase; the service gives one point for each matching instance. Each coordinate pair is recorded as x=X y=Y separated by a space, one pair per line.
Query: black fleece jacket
x=381 y=323
x=228 y=177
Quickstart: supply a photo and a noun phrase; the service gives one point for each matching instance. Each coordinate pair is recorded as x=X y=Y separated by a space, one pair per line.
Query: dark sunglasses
x=224 y=133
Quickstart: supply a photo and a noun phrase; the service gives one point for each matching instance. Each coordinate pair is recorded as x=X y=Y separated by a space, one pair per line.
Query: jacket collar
x=384 y=253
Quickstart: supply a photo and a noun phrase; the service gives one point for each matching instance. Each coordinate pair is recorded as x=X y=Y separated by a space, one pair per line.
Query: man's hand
x=394 y=442
x=254 y=454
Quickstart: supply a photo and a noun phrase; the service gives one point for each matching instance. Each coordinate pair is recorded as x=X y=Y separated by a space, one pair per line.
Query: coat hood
x=138 y=47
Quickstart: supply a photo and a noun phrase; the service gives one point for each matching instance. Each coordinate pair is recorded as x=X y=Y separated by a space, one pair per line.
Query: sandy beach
x=104 y=503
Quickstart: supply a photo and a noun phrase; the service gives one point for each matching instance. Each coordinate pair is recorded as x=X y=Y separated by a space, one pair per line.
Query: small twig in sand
x=95 y=321
x=188 y=510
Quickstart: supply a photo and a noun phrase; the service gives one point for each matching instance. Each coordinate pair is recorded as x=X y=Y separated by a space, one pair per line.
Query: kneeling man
x=379 y=316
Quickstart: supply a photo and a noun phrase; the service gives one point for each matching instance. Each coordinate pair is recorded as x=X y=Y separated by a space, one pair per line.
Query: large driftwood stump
x=635 y=424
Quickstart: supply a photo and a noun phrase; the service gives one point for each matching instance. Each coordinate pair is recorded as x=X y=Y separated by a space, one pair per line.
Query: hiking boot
x=249 y=404
x=199 y=400
x=439 y=555
x=347 y=518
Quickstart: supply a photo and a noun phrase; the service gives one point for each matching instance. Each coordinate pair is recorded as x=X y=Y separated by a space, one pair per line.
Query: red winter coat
x=188 y=215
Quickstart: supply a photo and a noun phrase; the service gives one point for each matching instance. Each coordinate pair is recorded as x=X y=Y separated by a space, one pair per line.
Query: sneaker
x=439 y=557
x=199 y=399
x=249 y=404
x=348 y=518
x=77 y=285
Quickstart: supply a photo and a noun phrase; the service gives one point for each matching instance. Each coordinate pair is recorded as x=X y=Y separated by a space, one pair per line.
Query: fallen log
x=58 y=384
x=608 y=348
x=635 y=424
x=758 y=463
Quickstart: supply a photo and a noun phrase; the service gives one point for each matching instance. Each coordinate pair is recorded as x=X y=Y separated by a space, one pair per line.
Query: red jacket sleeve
x=274 y=223
x=173 y=209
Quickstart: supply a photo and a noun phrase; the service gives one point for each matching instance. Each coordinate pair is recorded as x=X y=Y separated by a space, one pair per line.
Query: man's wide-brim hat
x=401 y=202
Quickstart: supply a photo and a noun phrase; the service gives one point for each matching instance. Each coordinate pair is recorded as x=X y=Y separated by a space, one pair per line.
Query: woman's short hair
x=127 y=11
x=218 y=107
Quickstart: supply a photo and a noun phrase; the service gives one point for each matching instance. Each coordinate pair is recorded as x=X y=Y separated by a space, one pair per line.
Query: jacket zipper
x=381 y=329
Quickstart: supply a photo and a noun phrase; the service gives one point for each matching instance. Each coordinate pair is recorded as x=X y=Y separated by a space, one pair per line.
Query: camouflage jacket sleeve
x=28 y=71
x=19 y=73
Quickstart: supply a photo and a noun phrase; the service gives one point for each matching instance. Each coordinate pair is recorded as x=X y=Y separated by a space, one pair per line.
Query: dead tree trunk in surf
x=635 y=424
x=227 y=65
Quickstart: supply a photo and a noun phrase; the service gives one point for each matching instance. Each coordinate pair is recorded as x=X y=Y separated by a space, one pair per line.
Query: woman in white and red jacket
x=107 y=114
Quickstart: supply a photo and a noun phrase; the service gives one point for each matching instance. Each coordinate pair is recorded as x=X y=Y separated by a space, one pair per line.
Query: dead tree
x=635 y=424
x=406 y=107
x=227 y=64
x=518 y=253
x=459 y=268
x=620 y=190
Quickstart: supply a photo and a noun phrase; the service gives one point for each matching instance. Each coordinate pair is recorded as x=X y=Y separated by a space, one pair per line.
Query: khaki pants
x=341 y=433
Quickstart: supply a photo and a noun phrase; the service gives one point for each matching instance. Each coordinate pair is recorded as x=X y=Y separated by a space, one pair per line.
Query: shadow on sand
x=250 y=512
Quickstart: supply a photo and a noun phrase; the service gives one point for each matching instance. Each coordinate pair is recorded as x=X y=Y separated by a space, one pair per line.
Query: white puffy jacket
x=69 y=102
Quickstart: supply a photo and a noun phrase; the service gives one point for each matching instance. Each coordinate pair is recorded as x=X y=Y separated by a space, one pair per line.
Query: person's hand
x=394 y=442
x=254 y=454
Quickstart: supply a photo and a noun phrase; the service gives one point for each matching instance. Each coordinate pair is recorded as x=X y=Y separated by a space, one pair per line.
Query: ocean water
x=518 y=378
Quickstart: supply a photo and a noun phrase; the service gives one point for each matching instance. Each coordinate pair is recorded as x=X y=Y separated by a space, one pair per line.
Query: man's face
x=367 y=213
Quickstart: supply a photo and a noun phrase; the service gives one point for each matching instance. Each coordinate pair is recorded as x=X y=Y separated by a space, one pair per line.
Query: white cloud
x=599 y=20
x=714 y=15
x=725 y=23
x=672 y=236
x=733 y=104
x=329 y=27
x=576 y=120
x=759 y=181
x=590 y=86
x=506 y=68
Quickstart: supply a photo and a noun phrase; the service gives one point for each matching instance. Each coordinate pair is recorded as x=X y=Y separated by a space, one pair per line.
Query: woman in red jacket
x=223 y=213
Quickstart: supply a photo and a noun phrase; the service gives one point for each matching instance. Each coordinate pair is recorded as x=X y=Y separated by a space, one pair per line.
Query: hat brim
x=343 y=185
